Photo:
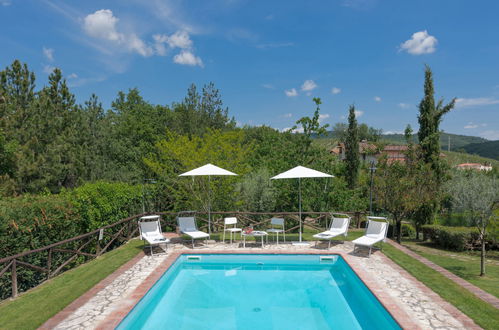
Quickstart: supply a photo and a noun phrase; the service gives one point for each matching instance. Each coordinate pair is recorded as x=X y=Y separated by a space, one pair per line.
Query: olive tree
x=476 y=195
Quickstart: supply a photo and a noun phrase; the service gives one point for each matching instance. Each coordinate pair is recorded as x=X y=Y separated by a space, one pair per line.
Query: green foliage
x=457 y=238
x=365 y=132
x=352 y=149
x=456 y=141
x=102 y=203
x=430 y=117
x=475 y=195
x=489 y=149
x=311 y=127
x=32 y=221
x=179 y=153
x=256 y=191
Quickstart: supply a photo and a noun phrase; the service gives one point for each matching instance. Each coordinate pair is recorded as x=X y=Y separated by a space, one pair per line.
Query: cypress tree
x=352 y=149
x=430 y=117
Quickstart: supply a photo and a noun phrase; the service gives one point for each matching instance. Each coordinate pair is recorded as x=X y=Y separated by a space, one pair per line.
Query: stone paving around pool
x=426 y=309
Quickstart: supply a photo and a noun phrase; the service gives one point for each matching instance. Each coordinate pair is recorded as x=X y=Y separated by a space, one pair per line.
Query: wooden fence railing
x=28 y=269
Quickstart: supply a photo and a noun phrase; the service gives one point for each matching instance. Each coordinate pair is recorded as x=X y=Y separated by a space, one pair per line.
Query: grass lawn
x=33 y=308
x=482 y=313
x=463 y=264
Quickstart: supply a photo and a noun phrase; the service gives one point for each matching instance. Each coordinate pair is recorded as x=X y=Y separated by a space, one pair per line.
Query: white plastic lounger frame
x=187 y=226
x=339 y=226
x=376 y=230
x=150 y=232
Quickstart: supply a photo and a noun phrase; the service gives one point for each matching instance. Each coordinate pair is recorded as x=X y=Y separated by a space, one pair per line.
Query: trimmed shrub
x=407 y=230
x=457 y=238
x=102 y=203
x=29 y=222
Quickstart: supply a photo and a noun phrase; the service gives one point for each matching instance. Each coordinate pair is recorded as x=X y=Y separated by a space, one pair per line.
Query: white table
x=254 y=233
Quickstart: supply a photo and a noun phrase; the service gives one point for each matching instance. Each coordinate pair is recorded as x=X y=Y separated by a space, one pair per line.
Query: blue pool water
x=259 y=292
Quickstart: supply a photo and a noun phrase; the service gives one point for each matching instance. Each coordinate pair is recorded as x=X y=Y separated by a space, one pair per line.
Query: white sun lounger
x=150 y=232
x=339 y=226
x=188 y=227
x=377 y=227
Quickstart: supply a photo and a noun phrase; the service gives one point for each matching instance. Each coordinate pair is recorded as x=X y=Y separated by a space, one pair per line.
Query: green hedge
x=407 y=230
x=457 y=238
x=32 y=221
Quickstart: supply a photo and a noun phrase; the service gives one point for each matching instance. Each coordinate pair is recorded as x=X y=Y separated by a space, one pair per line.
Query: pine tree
x=352 y=149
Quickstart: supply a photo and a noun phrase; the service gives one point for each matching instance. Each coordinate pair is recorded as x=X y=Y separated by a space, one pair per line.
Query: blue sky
x=269 y=58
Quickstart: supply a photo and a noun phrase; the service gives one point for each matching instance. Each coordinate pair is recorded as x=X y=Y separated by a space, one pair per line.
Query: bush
x=457 y=238
x=407 y=230
x=32 y=221
x=102 y=203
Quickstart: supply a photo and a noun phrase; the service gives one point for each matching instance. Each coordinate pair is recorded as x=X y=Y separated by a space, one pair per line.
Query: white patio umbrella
x=300 y=172
x=208 y=170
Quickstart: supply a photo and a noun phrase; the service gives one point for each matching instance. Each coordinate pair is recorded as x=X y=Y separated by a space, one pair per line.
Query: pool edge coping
x=399 y=315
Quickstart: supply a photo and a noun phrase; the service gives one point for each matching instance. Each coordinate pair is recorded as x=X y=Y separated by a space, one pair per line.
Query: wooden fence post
x=14 y=278
x=49 y=263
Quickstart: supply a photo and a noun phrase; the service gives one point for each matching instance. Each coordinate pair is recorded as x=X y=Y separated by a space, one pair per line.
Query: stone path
x=98 y=307
x=427 y=310
x=485 y=296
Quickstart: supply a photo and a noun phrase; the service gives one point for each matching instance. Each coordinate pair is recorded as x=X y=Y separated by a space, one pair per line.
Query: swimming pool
x=255 y=291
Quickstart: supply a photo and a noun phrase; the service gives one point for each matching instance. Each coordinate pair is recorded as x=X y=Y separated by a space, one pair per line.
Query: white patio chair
x=150 y=232
x=188 y=227
x=377 y=228
x=231 y=221
x=277 y=222
x=338 y=226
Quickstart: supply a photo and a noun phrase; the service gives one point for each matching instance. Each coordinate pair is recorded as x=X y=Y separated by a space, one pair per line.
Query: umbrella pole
x=209 y=204
x=299 y=207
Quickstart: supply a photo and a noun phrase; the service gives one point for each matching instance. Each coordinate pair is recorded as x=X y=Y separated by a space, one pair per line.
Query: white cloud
x=335 y=90
x=291 y=92
x=5 y=3
x=48 y=53
x=473 y=102
x=403 y=105
x=420 y=43
x=102 y=25
x=470 y=125
x=490 y=135
x=377 y=99
x=268 y=86
x=185 y=57
x=180 y=39
x=73 y=76
x=392 y=132
x=308 y=85
x=296 y=130
x=323 y=117
x=287 y=115
x=48 y=69
x=358 y=113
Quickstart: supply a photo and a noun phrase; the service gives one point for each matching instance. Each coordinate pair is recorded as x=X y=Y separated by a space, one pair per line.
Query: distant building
x=367 y=151
x=370 y=152
x=474 y=166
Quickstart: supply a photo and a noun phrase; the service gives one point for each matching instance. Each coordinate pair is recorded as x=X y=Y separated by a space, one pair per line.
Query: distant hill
x=455 y=158
x=456 y=141
x=489 y=149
